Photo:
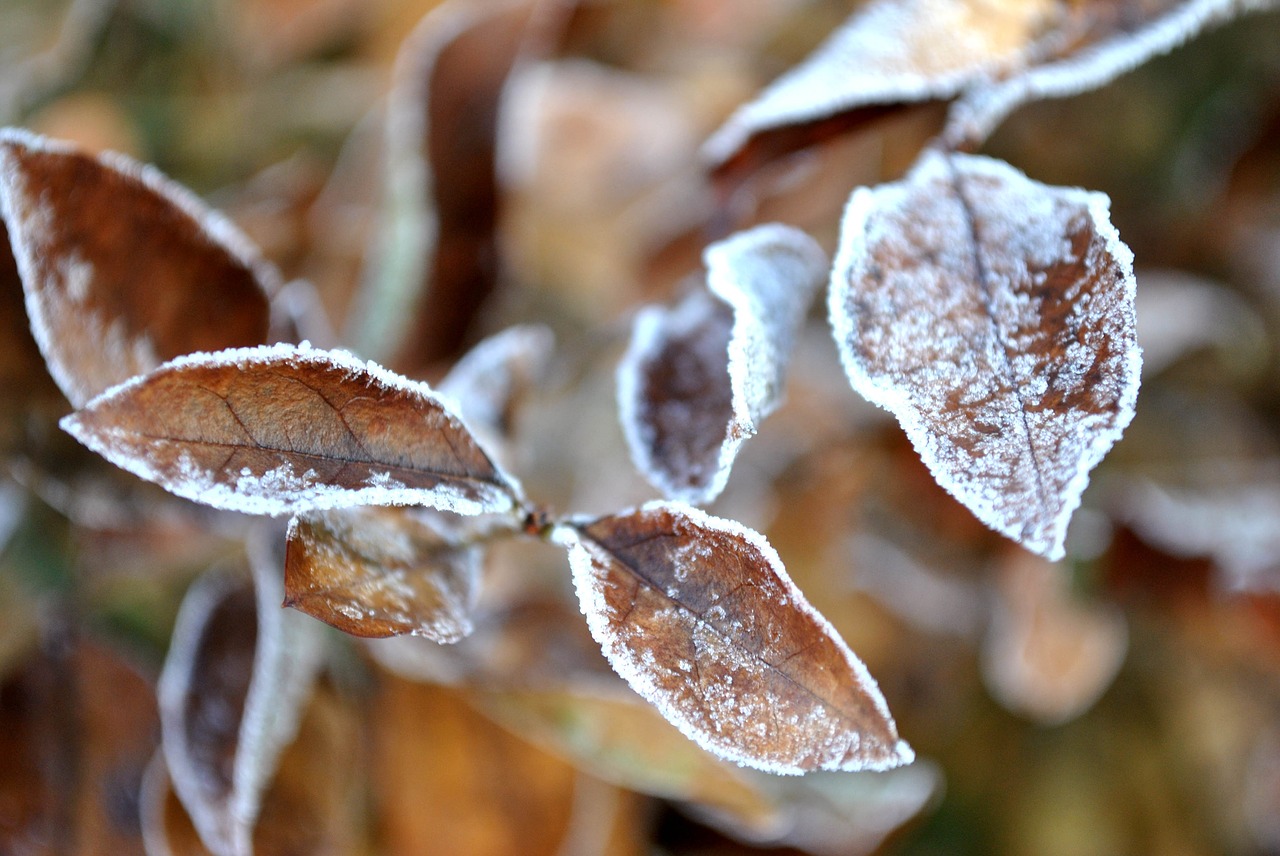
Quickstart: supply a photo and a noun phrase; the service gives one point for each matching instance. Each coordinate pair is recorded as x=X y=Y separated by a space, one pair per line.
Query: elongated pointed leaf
x=379 y=572
x=26 y=389
x=994 y=317
x=437 y=259
x=235 y=682
x=122 y=268
x=699 y=616
x=283 y=429
x=698 y=379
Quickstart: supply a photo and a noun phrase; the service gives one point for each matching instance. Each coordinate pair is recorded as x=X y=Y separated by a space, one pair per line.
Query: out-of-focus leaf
x=698 y=380
x=77 y=726
x=617 y=737
x=449 y=781
x=437 y=258
x=491 y=380
x=836 y=814
x=27 y=390
x=380 y=572
x=122 y=268
x=1048 y=655
x=699 y=616
x=285 y=429
x=307 y=808
x=991 y=57
x=993 y=316
x=1178 y=314
x=234 y=688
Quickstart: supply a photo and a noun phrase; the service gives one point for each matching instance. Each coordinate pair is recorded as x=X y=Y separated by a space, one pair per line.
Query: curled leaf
x=123 y=268
x=380 y=572
x=993 y=316
x=437 y=259
x=234 y=686
x=697 y=380
x=699 y=616
x=283 y=429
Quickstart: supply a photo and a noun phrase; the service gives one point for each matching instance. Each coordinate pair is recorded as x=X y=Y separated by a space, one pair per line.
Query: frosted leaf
x=284 y=429
x=435 y=261
x=378 y=572
x=1234 y=524
x=1095 y=43
x=698 y=615
x=122 y=268
x=234 y=685
x=1047 y=655
x=993 y=316
x=835 y=814
x=697 y=380
x=892 y=52
x=491 y=380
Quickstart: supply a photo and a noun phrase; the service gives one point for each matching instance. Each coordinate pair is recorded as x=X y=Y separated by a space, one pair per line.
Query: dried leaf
x=283 y=429
x=992 y=57
x=449 y=781
x=437 y=260
x=889 y=53
x=234 y=687
x=698 y=380
x=615 y=736
x=305 y=809
x=491 y=380
x=993 y=316
x=1047 y=655
x=77 y=726
x=699 y=616
x=380 y=572
x=837 y=814
x=123 y=269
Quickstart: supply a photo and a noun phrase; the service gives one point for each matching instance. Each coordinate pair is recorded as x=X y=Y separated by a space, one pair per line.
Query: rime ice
x=994 y=317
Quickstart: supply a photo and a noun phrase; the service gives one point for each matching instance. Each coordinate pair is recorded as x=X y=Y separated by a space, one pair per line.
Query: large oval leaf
x=283 y=429
x=993 y=316
x=122 y=267
x=699 y=616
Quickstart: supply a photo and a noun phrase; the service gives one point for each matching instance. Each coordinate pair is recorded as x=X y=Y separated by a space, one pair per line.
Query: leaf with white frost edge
x=698 y=380
x=283 y=429
x=265 y=706
x=123 y=268
x=993 y=315
x=698 y=615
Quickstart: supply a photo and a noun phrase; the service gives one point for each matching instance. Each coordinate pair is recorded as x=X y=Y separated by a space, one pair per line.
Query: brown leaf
x=234 y=688
x=699 y=616
x=1049 y=655
x=449 y=781
x=284 y=429
x=123 y=269
x=307 y=808
x=438 y=257
x=28 y=391
x=993 y=316
x=697 y=380
x=77 y=726
x=380 y=572
x=990 y=57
